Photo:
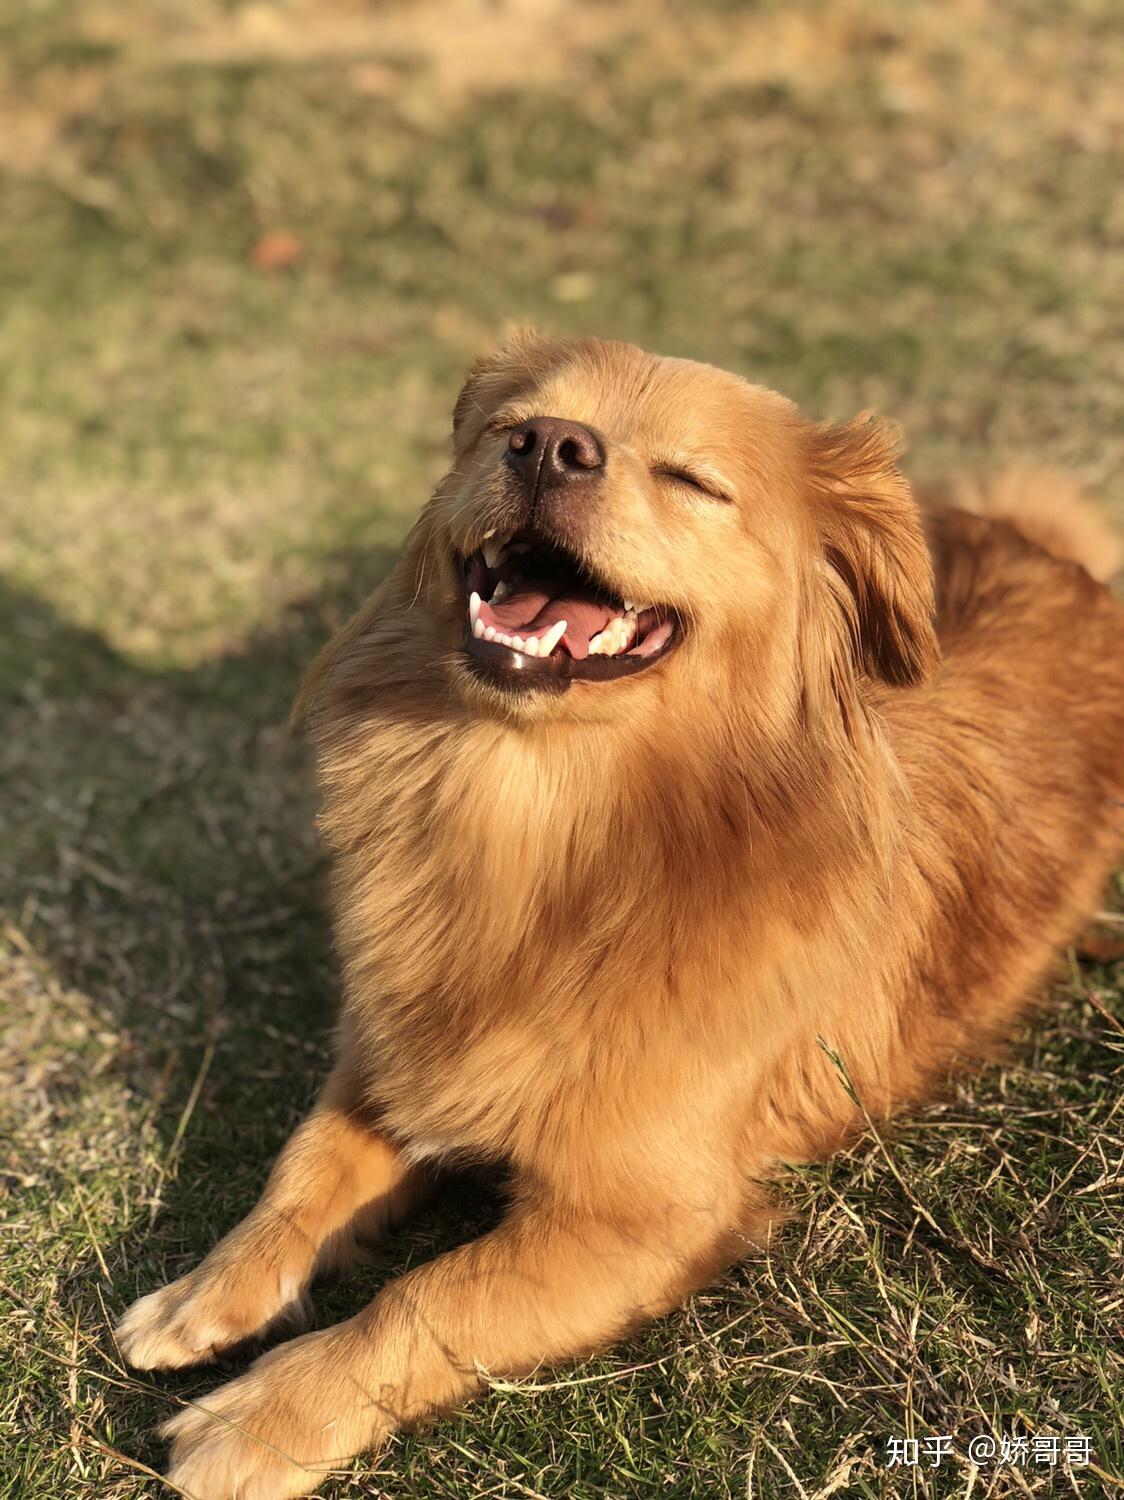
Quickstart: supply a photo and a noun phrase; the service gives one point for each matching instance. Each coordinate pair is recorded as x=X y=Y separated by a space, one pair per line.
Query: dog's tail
x=1048 y=508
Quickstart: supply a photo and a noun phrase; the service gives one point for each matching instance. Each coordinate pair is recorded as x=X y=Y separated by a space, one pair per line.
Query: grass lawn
x=246 y=251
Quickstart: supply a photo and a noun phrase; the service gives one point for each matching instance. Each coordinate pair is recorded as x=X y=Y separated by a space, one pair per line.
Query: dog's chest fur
x=537 y=945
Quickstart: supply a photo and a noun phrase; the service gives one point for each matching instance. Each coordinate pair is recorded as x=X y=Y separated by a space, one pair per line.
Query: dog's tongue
x=534 y=607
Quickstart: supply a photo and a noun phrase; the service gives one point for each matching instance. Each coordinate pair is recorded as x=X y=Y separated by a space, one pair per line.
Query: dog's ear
x=496 y=377
x=874 y=550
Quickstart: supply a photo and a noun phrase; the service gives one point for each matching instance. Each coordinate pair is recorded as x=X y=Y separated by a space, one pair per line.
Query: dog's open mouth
x=533 y=607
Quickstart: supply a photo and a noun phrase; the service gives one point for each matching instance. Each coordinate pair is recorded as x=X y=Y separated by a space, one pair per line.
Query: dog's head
x=621 y=530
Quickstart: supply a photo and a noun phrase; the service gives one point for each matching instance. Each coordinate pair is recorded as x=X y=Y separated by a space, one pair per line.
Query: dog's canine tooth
x=473 y=609
x=548 y=641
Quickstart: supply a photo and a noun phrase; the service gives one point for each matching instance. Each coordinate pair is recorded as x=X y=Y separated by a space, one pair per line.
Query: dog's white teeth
x=501 y=592
x=531 y=645
x=548 y=641
x=517 y=642
x=490 y=632
x=628 y=604
x=478 y=629
x=617 y=636
x=473 y=609
x=492 y=548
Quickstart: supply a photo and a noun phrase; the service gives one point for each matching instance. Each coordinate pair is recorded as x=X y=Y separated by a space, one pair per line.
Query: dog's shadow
x=162 y=870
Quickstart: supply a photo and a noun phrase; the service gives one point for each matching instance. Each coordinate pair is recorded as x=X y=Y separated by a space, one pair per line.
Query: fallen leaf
x=279 y=250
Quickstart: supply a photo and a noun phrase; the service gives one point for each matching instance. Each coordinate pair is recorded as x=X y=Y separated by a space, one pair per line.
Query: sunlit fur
x=610 y=936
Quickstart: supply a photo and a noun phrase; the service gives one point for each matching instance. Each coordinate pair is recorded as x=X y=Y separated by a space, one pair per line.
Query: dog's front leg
x=547 y=1285
x=336 y=1177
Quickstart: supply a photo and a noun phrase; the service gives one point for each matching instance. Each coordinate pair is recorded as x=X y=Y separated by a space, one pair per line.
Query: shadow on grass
x=160 y=858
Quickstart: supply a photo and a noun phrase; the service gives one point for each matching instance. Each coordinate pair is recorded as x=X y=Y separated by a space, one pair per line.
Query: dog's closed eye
x=676 y=474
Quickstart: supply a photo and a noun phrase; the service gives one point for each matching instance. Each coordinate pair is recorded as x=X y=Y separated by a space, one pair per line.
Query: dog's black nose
x=550 y=450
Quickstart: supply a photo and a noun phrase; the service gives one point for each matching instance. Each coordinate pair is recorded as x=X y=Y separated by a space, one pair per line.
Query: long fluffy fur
x=611 y=940
x=1045 y=506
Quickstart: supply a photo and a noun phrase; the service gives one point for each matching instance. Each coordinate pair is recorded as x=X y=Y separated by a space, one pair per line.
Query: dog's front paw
x=273 y=1433
x=221 y=1304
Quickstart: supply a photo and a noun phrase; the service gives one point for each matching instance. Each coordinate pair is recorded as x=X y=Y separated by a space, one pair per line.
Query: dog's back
x=1020 y=565
x=1015 y=750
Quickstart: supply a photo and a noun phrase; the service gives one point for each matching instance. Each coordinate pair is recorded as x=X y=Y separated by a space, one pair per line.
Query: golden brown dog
x=678 y=748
